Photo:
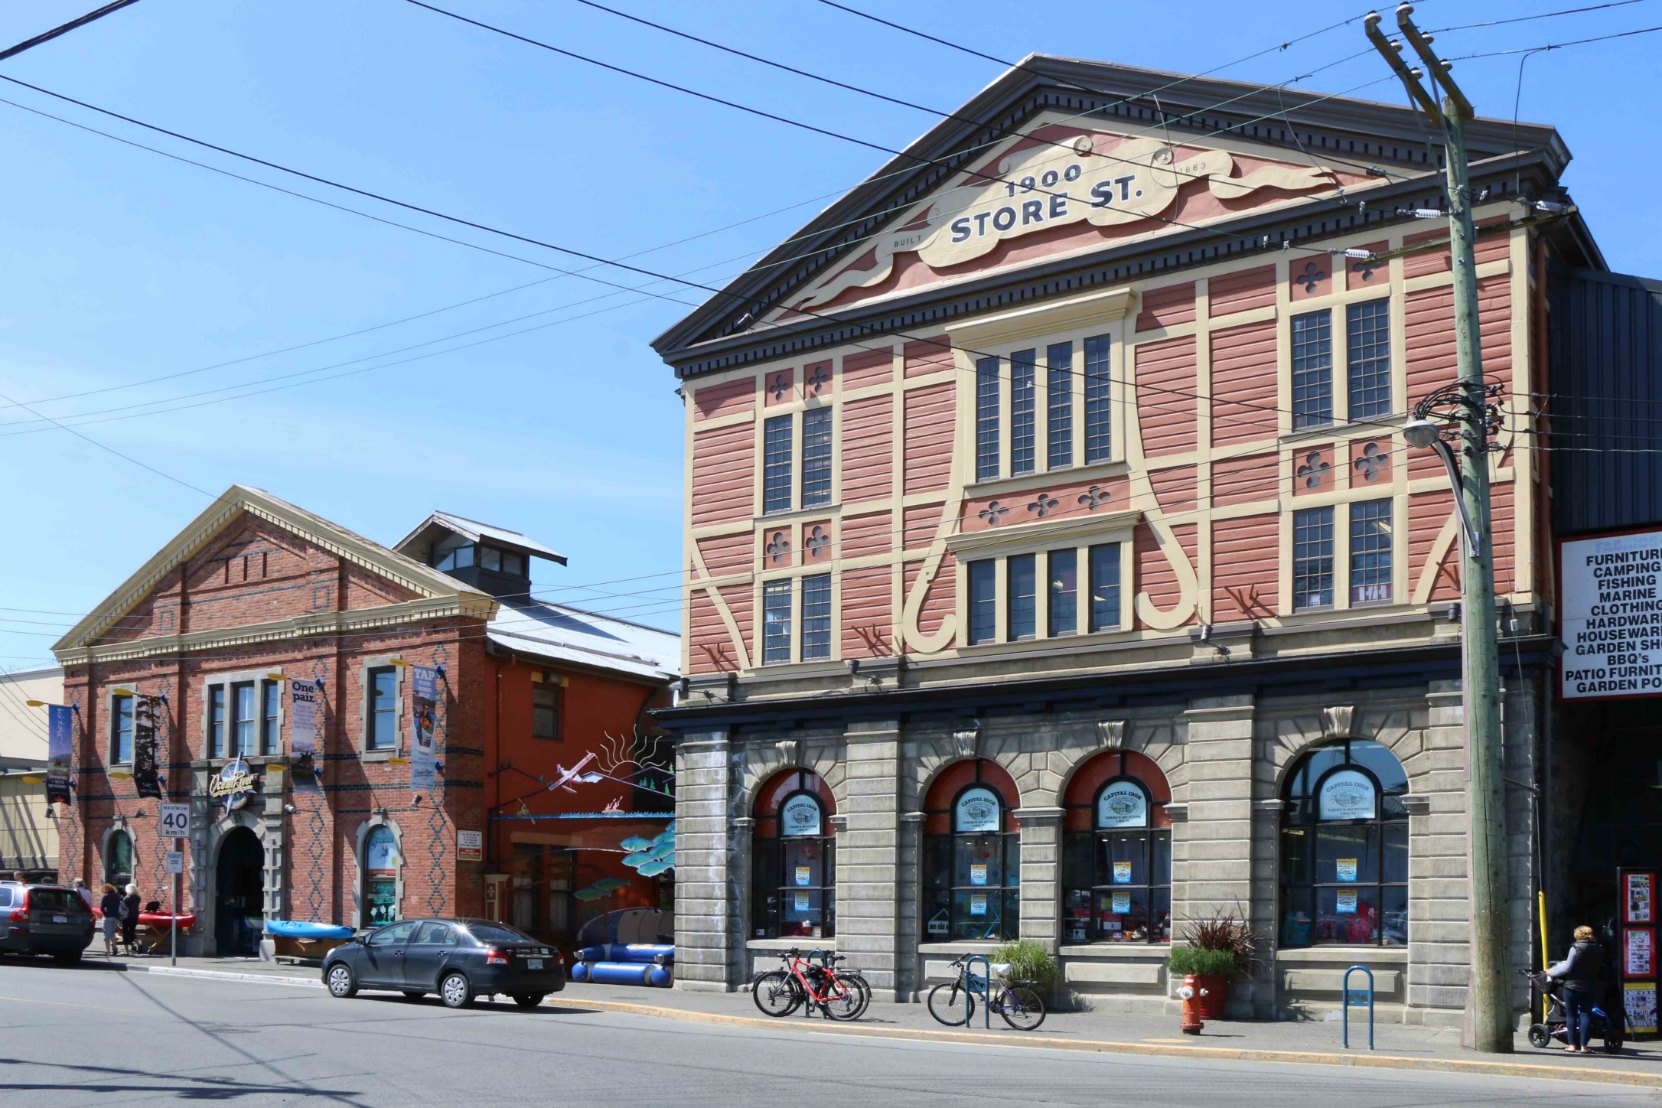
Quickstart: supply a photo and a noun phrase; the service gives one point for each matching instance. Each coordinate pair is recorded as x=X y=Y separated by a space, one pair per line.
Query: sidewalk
x=1308 y=1042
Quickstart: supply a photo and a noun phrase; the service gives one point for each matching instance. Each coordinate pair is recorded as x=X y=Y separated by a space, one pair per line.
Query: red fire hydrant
x=1190 y=993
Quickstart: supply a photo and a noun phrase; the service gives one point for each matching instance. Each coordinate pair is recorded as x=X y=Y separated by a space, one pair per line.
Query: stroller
x=1602 y=1026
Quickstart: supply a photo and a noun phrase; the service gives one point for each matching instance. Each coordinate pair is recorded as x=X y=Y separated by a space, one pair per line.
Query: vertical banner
x=145 y=774
x=303 y=734
x=424 y=695
x=60 y=742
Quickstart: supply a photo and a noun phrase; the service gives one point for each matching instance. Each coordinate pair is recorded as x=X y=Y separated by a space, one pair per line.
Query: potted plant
x=1029 y=961
x=1216 y=949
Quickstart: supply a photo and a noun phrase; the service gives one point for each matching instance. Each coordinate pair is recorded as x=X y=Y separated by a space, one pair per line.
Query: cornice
x=1029 y=536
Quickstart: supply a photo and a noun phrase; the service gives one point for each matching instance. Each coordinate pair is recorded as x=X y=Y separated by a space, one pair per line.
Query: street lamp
x=1423 y=434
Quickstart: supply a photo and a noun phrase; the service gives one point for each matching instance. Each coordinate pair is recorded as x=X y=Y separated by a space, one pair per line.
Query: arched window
x=793 y=872
x=381 y=862
x=1116 y=860
x=971 y=855
x=1344 y=848
x=118 y=858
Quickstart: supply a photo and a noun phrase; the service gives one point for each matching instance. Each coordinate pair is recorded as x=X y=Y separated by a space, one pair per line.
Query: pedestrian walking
x=109 y=904
x=17 y=875
x=83 y=892
x=1580 y=973
x=129 y=916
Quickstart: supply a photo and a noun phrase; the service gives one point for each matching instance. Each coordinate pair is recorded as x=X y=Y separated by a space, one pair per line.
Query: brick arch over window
x=793 y=873
x=1116 y=851
x=1080 y=795
x=971 y=867
x=773 y=793
x=957 y=777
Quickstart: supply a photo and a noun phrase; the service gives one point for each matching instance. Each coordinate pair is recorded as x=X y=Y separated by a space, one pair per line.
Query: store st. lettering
x=1007 y=216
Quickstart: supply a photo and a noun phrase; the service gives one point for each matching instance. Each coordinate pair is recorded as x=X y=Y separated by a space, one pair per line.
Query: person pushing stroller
x=1581 y=973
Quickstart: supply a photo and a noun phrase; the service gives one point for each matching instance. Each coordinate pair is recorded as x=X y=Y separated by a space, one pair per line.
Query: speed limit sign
x=175 y=821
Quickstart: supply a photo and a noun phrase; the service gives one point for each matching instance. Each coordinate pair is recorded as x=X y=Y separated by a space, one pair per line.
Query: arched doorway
x=238 y=892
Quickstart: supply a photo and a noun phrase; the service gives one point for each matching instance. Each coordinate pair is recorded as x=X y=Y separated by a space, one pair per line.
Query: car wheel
x=67 y=958
x=528 y=1000
x=414 y=994
x=340 y=981
x=454 y=991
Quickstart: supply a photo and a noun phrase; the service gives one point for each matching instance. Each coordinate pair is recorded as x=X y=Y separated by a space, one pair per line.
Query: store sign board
x=470 y=846
x=1347 y=794
x=1122 y=804
x=234 y=786
x=1611 y=616
x=976 y=811
x=799 y=816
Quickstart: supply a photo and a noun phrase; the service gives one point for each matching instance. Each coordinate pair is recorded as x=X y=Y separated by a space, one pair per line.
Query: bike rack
x=986 y=989
x=1357 y=998
x=810 y=1007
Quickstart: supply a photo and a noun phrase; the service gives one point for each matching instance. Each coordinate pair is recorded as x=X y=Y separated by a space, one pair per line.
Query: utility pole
x=1488 y=1024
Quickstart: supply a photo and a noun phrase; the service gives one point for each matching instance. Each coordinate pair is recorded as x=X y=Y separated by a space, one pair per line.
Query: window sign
x=802 y=874
x=1346 y=868
x=978 y=873
x=800 y=815
x=799 y=902
x=1122 y=804
x=1347 y=794
x=1121 y=904
x=978 y=904
x=1122 y=873
x=1346 y=904
x=381 y=854
x=977 y=810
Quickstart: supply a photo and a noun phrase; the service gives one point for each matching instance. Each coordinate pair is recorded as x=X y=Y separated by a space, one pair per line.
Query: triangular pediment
x=246 y=523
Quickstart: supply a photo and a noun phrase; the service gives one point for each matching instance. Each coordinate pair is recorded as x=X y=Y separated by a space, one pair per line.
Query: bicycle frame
x=802 y=969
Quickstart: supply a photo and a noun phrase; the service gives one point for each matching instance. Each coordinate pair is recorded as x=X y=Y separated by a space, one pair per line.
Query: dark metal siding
x=1605 y=368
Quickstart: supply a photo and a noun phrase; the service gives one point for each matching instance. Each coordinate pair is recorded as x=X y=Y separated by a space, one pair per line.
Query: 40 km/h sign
x=174 y=822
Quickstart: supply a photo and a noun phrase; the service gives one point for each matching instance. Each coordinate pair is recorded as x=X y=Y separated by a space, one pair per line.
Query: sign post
x=174 y=824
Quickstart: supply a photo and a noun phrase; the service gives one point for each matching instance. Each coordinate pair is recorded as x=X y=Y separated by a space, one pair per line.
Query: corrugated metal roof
x=561 y=633
x=476 y=531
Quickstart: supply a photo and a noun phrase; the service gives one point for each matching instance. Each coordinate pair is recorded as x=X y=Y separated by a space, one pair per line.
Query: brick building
x=1057 y=569
x=256 y=597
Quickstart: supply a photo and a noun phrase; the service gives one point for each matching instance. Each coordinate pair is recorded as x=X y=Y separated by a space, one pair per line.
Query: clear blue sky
x=119 y=265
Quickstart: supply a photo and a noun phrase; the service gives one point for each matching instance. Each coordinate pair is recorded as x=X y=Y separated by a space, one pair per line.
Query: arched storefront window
x=1344 y=848
x=971 y=855
x=381 y=861
x=793 y=873
x=1116 y=861
x=118 y=859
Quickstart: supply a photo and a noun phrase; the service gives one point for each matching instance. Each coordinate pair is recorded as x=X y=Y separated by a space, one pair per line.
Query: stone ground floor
x=1100 y=824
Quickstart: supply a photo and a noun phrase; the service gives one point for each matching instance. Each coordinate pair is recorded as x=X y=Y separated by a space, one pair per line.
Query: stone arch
x=117 y=825
x=1166 y=751
x=1338 y=723
x=208 y=906
x=814 y=756
x=378 y=819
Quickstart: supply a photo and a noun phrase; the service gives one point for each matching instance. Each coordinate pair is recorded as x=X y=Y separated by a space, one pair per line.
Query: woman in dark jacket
x=1579 y=972
x=129 y=916
x=109 y=906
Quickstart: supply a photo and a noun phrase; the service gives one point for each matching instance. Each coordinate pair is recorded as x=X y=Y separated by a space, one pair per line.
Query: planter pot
x=1214 y=997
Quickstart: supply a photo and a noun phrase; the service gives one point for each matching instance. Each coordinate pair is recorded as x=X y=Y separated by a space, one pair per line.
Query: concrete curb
x=1472 y=1066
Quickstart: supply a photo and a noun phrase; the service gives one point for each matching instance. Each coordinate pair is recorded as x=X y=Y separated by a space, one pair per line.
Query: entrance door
x=238 y=892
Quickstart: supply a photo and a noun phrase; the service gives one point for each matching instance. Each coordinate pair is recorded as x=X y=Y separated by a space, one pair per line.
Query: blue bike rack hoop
x=983 y=985
x=1357 y=998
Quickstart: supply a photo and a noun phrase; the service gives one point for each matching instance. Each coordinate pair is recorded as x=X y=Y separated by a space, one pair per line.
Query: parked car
x=44 y=919
x=459 y=959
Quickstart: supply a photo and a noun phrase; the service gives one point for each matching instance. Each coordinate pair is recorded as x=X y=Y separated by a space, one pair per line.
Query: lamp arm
x=1474 y=546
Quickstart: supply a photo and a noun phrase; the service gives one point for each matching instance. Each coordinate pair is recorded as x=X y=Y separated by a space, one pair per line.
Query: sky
x=526 y=398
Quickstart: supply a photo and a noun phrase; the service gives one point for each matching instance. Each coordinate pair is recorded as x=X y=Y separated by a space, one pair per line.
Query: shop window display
x=793 y=863
x=1116 y=861
x=971 y=855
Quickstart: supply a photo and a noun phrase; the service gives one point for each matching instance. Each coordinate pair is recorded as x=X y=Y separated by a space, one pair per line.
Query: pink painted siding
x=726 y=554
x=868 y=367
x=1244 y=383
x=1166 y=404
x=1427 y=513
x=868 y=461
x=1239 y=292
x=1249 y=477
x=867 y=623
x=920 y=523
x=708 y=643
x=724 y=399
x=1176 y=489
x=1151 y=572
x=929 y=431
x=865 y=535
x=928 y=356
x=722 y=474
x=1167 y=307
x=1245 y=574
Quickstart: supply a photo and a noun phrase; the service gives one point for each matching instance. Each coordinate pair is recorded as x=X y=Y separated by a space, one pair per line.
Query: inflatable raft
x=305 y=931
x=601 y=959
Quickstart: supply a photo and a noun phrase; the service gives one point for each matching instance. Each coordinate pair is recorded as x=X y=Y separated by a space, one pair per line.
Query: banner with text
x=60 y=741
x=1612 y=616
x=303 y=734
x=424 y=690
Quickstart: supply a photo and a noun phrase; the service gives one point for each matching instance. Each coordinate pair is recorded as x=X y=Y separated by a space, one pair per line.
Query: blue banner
x=60 y=745
x=424 y=690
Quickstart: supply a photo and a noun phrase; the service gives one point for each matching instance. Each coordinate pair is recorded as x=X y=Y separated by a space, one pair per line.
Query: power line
x=1558 y=45
x=64 y=28
x=1533 y=18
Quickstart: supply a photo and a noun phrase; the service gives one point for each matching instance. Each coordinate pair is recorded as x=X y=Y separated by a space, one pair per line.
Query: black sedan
x=459 y=959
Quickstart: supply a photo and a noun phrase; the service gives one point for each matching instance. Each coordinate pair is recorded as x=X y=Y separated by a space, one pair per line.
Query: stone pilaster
x=1439 y=885
x=1041 y=874
x=1212 y=853
x=868 y=855
x=709 y=885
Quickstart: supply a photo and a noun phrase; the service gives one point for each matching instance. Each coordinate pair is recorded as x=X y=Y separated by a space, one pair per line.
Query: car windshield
x=55 y=900
x=496 y=933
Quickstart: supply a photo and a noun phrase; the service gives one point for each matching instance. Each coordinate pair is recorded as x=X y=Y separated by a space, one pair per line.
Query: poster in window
x=1640 y=1002
x=1120 y=904
x=799 y=816
x=1347 y=794
x=1122 y=873
x=802 y=875
x=977 y=810
x=799 y=902
x=978 y=873
x=1345 y=904
x=978 y=904
x=1638 y=952
x=424 y=695
x=1639 y=901
x=1345 y=869
x=1122 y=804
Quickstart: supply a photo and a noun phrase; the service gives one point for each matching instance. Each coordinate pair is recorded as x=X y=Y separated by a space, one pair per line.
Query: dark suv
x=44 y=919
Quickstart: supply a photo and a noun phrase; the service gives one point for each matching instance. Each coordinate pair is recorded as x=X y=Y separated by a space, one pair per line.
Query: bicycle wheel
x=846 y=997
x=950 y=1005
x=1021 y=1007
x=856 y=979
x=776 y=993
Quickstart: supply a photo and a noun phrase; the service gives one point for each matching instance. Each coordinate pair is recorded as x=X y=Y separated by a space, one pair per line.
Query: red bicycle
x=841 y=996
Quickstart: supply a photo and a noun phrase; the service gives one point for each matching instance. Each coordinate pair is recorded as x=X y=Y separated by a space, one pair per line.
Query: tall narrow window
x=1098 y=424
x=986 y=419
x=1105 y=586
x=1059 y=358
x=983 y=601
x=971 y=867
x=1312 y=558
x=216 y=721
x=383 y=709
x=816 y=457
x=121 y=730
x=1023 y=408
x=1312 y=369
x=1370 y=552
x=242 y=718
x=816 y=617
x=271 y=699
x=1368 y=343
x=545 y=711
x=1062 y=578
x=776 y=622
x=793 y=858
x=776 y=464
x=1022 y=609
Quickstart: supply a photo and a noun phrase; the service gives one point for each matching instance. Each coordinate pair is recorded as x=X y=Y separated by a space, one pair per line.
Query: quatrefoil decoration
x=992 y=513
x=1311 y=277
x=1372 y=461
x=1313 y=470
x=778 y=547
x=817 y=541
x=1094 y=497
x=1043 y=505
x=780 y=385
x=818 y=379
x=1365 y=270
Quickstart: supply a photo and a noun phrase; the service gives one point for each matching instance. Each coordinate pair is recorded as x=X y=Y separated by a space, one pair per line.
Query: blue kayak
x=296 y=929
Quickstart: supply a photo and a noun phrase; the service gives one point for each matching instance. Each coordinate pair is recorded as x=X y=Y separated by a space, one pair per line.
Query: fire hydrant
x=1190 y=993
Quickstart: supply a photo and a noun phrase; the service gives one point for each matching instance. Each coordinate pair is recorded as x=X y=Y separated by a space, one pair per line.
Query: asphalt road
x=93 y=1035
